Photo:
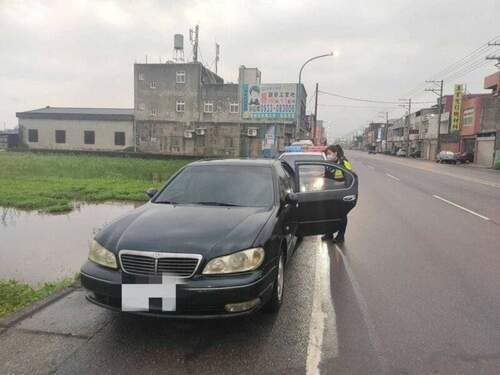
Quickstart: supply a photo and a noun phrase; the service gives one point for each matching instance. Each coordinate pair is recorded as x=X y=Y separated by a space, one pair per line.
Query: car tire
x=274 y=303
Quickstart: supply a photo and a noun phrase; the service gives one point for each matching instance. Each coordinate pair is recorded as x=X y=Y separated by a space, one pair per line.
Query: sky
x=81 y=53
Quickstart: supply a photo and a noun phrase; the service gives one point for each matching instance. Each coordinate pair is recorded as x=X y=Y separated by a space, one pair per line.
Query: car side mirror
x=291 y=198
x=151 y=192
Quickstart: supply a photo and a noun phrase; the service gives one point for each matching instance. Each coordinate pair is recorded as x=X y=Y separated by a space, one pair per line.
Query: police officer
x=336 y=154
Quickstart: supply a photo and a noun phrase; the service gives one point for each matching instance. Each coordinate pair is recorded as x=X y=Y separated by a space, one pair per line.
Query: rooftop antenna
x=193 y=38
x=217 y=56
x=178 y=48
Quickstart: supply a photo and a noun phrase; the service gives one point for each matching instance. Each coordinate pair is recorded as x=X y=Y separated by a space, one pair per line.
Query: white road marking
x=461 y=207
x=370 y=166
x=393 y=177
x=321 y=305
x=425 y=166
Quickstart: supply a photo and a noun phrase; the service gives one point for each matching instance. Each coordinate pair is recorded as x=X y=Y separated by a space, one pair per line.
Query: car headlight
x=98 y=254
x=246 y=260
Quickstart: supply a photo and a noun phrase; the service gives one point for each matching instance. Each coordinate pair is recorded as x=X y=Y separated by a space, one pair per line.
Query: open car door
x=324 y=193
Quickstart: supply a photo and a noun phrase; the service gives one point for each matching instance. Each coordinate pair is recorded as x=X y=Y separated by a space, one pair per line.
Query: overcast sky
x=81 y=53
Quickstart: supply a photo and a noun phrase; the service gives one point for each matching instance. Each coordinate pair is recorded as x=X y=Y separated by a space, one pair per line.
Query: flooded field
x=37 y=247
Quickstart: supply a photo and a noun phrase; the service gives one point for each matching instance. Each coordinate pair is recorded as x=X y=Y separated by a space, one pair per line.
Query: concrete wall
x=221 y=96
x=104 y=134
x=163 y=98
x=169 y=138
x=490 y=115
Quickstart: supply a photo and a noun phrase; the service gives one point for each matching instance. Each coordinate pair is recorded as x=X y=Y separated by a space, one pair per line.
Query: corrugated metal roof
x=70 y=113
x=82 y=111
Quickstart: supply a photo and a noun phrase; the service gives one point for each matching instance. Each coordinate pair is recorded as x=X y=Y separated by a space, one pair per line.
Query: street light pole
x=440 y=104
x=299 y=87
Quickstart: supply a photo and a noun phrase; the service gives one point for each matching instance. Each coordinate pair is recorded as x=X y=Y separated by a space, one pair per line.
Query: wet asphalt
x=414 y=290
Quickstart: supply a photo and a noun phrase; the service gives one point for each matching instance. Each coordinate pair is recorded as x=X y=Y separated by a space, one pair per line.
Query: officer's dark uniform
x=338 y=176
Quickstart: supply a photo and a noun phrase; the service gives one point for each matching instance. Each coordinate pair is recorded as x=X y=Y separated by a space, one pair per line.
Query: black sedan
x=217 y=236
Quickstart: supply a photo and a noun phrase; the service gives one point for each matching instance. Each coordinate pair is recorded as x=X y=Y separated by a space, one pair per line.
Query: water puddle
x=36 y=247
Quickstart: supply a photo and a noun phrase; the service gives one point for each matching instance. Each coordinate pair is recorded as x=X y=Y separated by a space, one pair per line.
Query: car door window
x=285 y=182
x=322 y=178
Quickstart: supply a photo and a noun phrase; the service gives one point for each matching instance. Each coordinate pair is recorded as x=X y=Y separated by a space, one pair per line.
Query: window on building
x=234 y=108
x=208 y=107
x=228 y=142
x=119 y=138
x=141 y=76
x=33 y=135
x=199 y=141
x=153 y=84
x=175 y=144
x=154 y=111
x=180 y=77
x=89 y=137
x=179 y=106
x=468 y=117
x=60 y=136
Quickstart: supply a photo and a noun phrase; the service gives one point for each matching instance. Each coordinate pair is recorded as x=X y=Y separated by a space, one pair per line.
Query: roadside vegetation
x=14 y=295
x=51 y=182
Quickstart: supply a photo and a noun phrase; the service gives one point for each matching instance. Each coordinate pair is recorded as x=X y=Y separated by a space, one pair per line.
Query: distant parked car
x=401 y=152
x=446 y=157
x=465 y=157
x=416 y=154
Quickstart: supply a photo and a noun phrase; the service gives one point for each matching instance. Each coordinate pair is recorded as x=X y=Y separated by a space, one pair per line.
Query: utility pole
x=217 y=54
x=315 y=128
x=193 y=37
x=493 y=57
x=407 y=125
x=439 y=92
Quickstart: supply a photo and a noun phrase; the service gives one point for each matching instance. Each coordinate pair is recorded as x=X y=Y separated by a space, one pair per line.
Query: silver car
x=447 y=157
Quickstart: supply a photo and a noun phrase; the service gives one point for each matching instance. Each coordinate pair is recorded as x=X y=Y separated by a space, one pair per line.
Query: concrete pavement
x=414 y=290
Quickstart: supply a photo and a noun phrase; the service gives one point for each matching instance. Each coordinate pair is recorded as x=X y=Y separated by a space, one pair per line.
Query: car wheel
x=274 y=303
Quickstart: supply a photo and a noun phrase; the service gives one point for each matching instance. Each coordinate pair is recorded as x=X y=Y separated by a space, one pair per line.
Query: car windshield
x=221 y=185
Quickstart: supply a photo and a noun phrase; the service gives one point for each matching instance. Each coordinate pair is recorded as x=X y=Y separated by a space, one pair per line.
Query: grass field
x=14 y=295
x=50 y=182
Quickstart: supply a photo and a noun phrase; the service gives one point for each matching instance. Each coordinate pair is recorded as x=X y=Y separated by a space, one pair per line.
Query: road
x=414 y=290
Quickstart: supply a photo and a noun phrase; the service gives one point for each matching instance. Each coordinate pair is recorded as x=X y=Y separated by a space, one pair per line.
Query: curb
x=35 y=307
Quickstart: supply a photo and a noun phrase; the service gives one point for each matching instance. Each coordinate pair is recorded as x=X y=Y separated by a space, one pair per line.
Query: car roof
x=236 y=162
x=302 y=153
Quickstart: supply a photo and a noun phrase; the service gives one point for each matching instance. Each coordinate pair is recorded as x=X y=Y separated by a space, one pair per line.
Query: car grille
x=153 y=263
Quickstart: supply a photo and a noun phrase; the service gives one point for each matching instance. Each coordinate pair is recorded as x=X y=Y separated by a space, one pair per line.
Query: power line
x=355 y=106
x=366 y=100
x=467 y=60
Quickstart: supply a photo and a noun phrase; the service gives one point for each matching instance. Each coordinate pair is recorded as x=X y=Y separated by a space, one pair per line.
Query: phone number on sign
x=271 y=108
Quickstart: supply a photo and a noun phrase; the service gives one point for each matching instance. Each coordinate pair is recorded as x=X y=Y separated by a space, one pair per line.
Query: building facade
x=488 y=137
x=91 y=129
x=185 y=109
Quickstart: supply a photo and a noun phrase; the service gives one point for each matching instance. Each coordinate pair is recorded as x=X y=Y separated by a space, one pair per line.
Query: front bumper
x=199 y=297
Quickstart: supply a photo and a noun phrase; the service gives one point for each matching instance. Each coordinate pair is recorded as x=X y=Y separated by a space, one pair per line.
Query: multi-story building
x=488 y=135
x=272 y=114
x=180 y=109
x=185 y=109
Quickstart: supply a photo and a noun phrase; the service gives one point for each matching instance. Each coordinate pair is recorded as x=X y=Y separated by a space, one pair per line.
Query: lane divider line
x=393 y=177
x=461 y=207
x=426 y=167
x=319 y=313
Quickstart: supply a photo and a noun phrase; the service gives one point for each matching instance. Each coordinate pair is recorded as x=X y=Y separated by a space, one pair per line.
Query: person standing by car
x=336 y=154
